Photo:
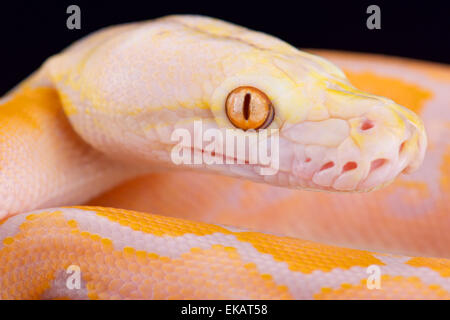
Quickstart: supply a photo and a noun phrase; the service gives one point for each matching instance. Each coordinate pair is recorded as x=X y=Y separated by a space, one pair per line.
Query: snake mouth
x=344 y=168
x=225 y=164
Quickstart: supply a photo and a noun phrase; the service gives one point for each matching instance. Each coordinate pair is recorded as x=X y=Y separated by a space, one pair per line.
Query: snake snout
x=361 y=153
x=393 y=141
x=413 y=149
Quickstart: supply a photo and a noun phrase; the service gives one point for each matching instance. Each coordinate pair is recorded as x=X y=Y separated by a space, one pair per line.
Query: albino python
x=93 y=127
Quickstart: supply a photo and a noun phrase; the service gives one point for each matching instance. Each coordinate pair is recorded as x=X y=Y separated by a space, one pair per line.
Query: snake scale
x=93 y=127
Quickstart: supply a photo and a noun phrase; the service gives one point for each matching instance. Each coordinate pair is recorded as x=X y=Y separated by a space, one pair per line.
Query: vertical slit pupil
x=246 y=109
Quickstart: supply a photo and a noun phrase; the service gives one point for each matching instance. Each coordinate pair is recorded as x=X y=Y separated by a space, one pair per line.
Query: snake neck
x=43 y=162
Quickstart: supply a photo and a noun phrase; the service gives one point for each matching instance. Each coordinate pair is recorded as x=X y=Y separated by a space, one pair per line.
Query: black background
x=33 y=30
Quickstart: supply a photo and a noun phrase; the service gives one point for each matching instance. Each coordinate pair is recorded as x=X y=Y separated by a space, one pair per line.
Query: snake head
x=129 y=92
x=332 y=136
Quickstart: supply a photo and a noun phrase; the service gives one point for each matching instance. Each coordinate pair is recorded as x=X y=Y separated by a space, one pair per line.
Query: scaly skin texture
x=103 y=111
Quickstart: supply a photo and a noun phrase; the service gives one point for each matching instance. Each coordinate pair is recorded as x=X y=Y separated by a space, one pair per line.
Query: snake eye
x=249 y=108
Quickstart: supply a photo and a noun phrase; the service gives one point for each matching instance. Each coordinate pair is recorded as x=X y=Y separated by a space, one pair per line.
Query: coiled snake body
x=103 y=112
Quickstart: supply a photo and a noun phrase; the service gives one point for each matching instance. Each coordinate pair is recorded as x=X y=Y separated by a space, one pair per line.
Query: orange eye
x=249 y=108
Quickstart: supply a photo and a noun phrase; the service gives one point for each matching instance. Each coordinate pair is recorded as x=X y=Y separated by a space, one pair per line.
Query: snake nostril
x=402 y=147
x=327 y=166
x=349 y=166
x=366 y=125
